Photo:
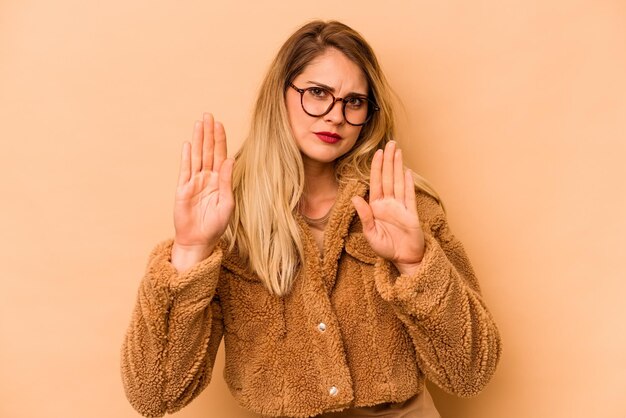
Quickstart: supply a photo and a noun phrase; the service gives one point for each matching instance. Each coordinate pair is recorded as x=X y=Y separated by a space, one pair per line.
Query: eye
x=355 y=102
x=317 y=92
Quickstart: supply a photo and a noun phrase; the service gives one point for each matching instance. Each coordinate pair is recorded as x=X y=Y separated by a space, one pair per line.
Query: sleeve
x=456 y=340
x=170 y=346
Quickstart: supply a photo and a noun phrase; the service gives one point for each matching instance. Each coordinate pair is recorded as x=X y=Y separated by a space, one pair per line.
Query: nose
x=336 y=113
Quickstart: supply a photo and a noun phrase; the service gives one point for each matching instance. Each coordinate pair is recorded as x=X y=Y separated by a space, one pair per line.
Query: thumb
x=365 y=214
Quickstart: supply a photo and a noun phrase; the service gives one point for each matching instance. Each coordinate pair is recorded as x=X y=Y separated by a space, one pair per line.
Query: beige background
x=515 y=110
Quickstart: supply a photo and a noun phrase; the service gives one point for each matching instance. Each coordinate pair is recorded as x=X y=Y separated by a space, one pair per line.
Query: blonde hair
x=268 y=177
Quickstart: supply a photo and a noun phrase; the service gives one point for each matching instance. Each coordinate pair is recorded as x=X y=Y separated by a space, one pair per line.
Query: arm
x=425 y=274
x=175 y=331
x=456 y=340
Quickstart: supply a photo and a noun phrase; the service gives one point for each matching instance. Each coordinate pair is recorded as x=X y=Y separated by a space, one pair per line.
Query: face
x=325 y=138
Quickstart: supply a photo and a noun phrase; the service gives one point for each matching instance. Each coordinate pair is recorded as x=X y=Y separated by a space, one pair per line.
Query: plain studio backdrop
x=515 y=110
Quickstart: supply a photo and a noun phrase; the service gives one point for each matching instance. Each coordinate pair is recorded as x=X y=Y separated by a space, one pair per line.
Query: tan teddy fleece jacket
x=352 y=332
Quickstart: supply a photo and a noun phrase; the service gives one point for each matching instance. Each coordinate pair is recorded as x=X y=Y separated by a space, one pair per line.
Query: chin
x=320 y=159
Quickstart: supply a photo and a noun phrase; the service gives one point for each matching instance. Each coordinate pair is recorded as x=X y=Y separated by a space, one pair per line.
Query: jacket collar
x=337 y=229
x=335 y=233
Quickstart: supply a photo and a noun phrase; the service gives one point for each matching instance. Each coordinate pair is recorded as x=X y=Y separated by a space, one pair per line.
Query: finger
x=398 y=176
x=365 y=214
x=409 y=191
x=387 y=179
x=226 y=182
x=209 y=143
x=220 y=146
x=376 y=188
x=196 y=148
x=184 y=173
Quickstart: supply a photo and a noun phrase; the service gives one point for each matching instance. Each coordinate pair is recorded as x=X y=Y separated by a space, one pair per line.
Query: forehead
x=333 y=68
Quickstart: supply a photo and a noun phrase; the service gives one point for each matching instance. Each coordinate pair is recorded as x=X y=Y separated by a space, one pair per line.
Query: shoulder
x=429 y=209
x=234 y=262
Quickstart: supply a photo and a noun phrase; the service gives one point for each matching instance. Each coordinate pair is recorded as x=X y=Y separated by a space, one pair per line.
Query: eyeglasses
x=317 y=101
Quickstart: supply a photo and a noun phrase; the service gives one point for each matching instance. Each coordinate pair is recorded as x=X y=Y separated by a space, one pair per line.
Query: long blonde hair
x=268 y=177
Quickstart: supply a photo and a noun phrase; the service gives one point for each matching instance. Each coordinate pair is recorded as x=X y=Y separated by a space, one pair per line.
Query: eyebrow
x=332 y=89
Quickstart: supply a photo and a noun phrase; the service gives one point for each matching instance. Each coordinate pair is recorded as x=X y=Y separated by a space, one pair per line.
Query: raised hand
x=390 y=221
x=204 y=199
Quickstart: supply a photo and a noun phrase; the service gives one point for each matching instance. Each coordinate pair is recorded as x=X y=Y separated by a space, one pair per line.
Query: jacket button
x=333 y=391
x=322 y=327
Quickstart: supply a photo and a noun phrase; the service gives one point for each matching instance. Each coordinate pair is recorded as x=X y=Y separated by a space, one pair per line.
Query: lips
x=328 y=137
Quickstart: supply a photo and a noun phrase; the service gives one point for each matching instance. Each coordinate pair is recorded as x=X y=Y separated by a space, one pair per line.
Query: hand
x=390 y=221
x=204 y=199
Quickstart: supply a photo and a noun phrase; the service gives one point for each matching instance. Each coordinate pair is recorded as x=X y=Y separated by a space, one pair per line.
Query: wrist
x=184 y=257
x=408 y=268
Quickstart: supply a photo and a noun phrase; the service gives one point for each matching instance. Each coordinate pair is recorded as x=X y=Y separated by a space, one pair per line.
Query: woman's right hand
x=204 y=199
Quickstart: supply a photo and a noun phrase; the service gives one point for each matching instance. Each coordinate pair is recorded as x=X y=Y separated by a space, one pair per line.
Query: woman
x=329 y=271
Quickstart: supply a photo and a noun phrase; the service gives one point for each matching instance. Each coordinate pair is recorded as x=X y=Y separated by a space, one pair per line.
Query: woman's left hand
x=390 y=221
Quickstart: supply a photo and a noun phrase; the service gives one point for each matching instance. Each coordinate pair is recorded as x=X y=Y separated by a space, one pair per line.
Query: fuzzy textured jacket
x=352 y=332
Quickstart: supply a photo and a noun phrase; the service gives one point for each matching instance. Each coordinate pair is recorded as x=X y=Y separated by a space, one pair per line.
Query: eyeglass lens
x=317 y=102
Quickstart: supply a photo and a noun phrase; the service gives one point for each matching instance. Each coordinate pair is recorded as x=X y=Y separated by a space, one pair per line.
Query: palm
x=204 y=200
x=390 y=221
x=395 y=231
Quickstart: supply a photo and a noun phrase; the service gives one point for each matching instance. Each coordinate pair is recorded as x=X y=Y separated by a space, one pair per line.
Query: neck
x=320 y=188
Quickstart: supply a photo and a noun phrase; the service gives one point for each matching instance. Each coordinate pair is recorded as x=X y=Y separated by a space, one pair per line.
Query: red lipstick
x=328 y=137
